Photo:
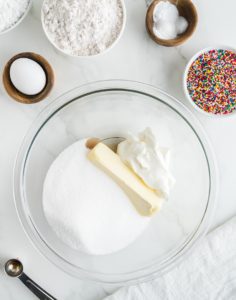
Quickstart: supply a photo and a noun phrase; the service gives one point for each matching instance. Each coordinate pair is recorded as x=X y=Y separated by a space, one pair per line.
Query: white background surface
x=135 y=57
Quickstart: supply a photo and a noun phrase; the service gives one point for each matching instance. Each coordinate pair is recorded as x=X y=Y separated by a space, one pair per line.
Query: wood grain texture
x=186 y=9
x=15 y=93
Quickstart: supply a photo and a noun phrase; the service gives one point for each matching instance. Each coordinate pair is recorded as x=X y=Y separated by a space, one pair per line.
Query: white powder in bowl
x=10 y=12
x=167 y=23
x=83 y=27
x=86 y=208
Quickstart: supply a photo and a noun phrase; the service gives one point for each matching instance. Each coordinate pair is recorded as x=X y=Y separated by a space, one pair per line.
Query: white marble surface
x=136 y=57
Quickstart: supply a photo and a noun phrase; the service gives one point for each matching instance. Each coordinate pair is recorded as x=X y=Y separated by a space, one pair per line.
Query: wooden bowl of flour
x=186 y=9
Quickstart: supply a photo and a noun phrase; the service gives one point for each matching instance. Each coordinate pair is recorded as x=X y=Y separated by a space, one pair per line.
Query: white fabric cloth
x=208 y=273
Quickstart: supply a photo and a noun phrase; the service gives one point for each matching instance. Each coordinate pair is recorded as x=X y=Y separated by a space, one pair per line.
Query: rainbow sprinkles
x=211 y=81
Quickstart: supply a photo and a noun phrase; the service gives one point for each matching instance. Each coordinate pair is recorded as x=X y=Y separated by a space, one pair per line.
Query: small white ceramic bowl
x=194 y=57
x=19 y=20
x=85 y=56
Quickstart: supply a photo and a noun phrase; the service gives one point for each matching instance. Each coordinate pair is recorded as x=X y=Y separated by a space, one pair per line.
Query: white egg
x=27 y=76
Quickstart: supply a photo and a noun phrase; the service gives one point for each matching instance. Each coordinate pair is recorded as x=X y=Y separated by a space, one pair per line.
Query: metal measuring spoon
x=14 y=268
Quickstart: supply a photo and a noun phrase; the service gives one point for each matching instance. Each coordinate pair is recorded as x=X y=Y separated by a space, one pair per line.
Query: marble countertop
x=135 y=57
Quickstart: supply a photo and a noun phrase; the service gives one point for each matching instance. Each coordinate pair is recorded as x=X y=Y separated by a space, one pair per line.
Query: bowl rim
x=87 y=56
x=185 y=75
x=20 y=19
x=136 y=276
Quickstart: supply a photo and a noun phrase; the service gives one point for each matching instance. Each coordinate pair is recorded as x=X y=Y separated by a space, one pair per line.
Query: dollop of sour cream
x=148 y=160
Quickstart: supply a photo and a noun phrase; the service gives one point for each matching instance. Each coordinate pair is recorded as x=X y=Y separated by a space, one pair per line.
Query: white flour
x=87 y=210
x=83 y=27
x=11 y=11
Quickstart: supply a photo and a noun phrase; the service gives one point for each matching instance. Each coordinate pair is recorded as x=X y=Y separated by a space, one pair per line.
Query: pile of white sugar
x=10 y=12
x=85 y=208
x=83 y=27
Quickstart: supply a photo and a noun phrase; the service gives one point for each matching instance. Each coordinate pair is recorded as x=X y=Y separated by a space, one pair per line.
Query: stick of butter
x=145 y=200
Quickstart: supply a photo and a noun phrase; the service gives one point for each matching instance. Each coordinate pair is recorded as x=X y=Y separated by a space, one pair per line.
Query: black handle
x=36 y=289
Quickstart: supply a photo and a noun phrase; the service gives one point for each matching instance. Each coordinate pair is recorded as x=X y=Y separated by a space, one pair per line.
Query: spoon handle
x=35 y=288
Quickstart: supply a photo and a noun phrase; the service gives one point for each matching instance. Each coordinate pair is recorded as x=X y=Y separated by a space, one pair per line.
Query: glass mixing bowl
x=107 y=109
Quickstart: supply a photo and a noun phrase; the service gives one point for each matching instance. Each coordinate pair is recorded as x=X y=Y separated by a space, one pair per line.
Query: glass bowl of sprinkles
x=210 y=81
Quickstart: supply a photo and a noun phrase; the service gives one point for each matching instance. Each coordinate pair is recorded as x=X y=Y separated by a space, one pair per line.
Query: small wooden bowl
x=186 y=9
x=15 y=93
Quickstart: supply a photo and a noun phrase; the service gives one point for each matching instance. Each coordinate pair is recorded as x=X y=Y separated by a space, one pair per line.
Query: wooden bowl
x=186 y=9
x=15 y=93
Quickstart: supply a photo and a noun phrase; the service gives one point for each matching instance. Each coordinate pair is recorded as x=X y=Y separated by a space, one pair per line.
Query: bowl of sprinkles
x=210 y=81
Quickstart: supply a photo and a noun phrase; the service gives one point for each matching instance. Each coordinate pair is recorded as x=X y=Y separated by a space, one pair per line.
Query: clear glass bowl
x=106 y=109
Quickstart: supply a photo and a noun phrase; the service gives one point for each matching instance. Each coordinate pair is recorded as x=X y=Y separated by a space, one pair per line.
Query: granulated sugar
x=87 y=210
x=83 y=27
x=10 y=12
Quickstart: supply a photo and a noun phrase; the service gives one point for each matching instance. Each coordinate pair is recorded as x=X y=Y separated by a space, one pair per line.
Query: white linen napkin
x=208 y=273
